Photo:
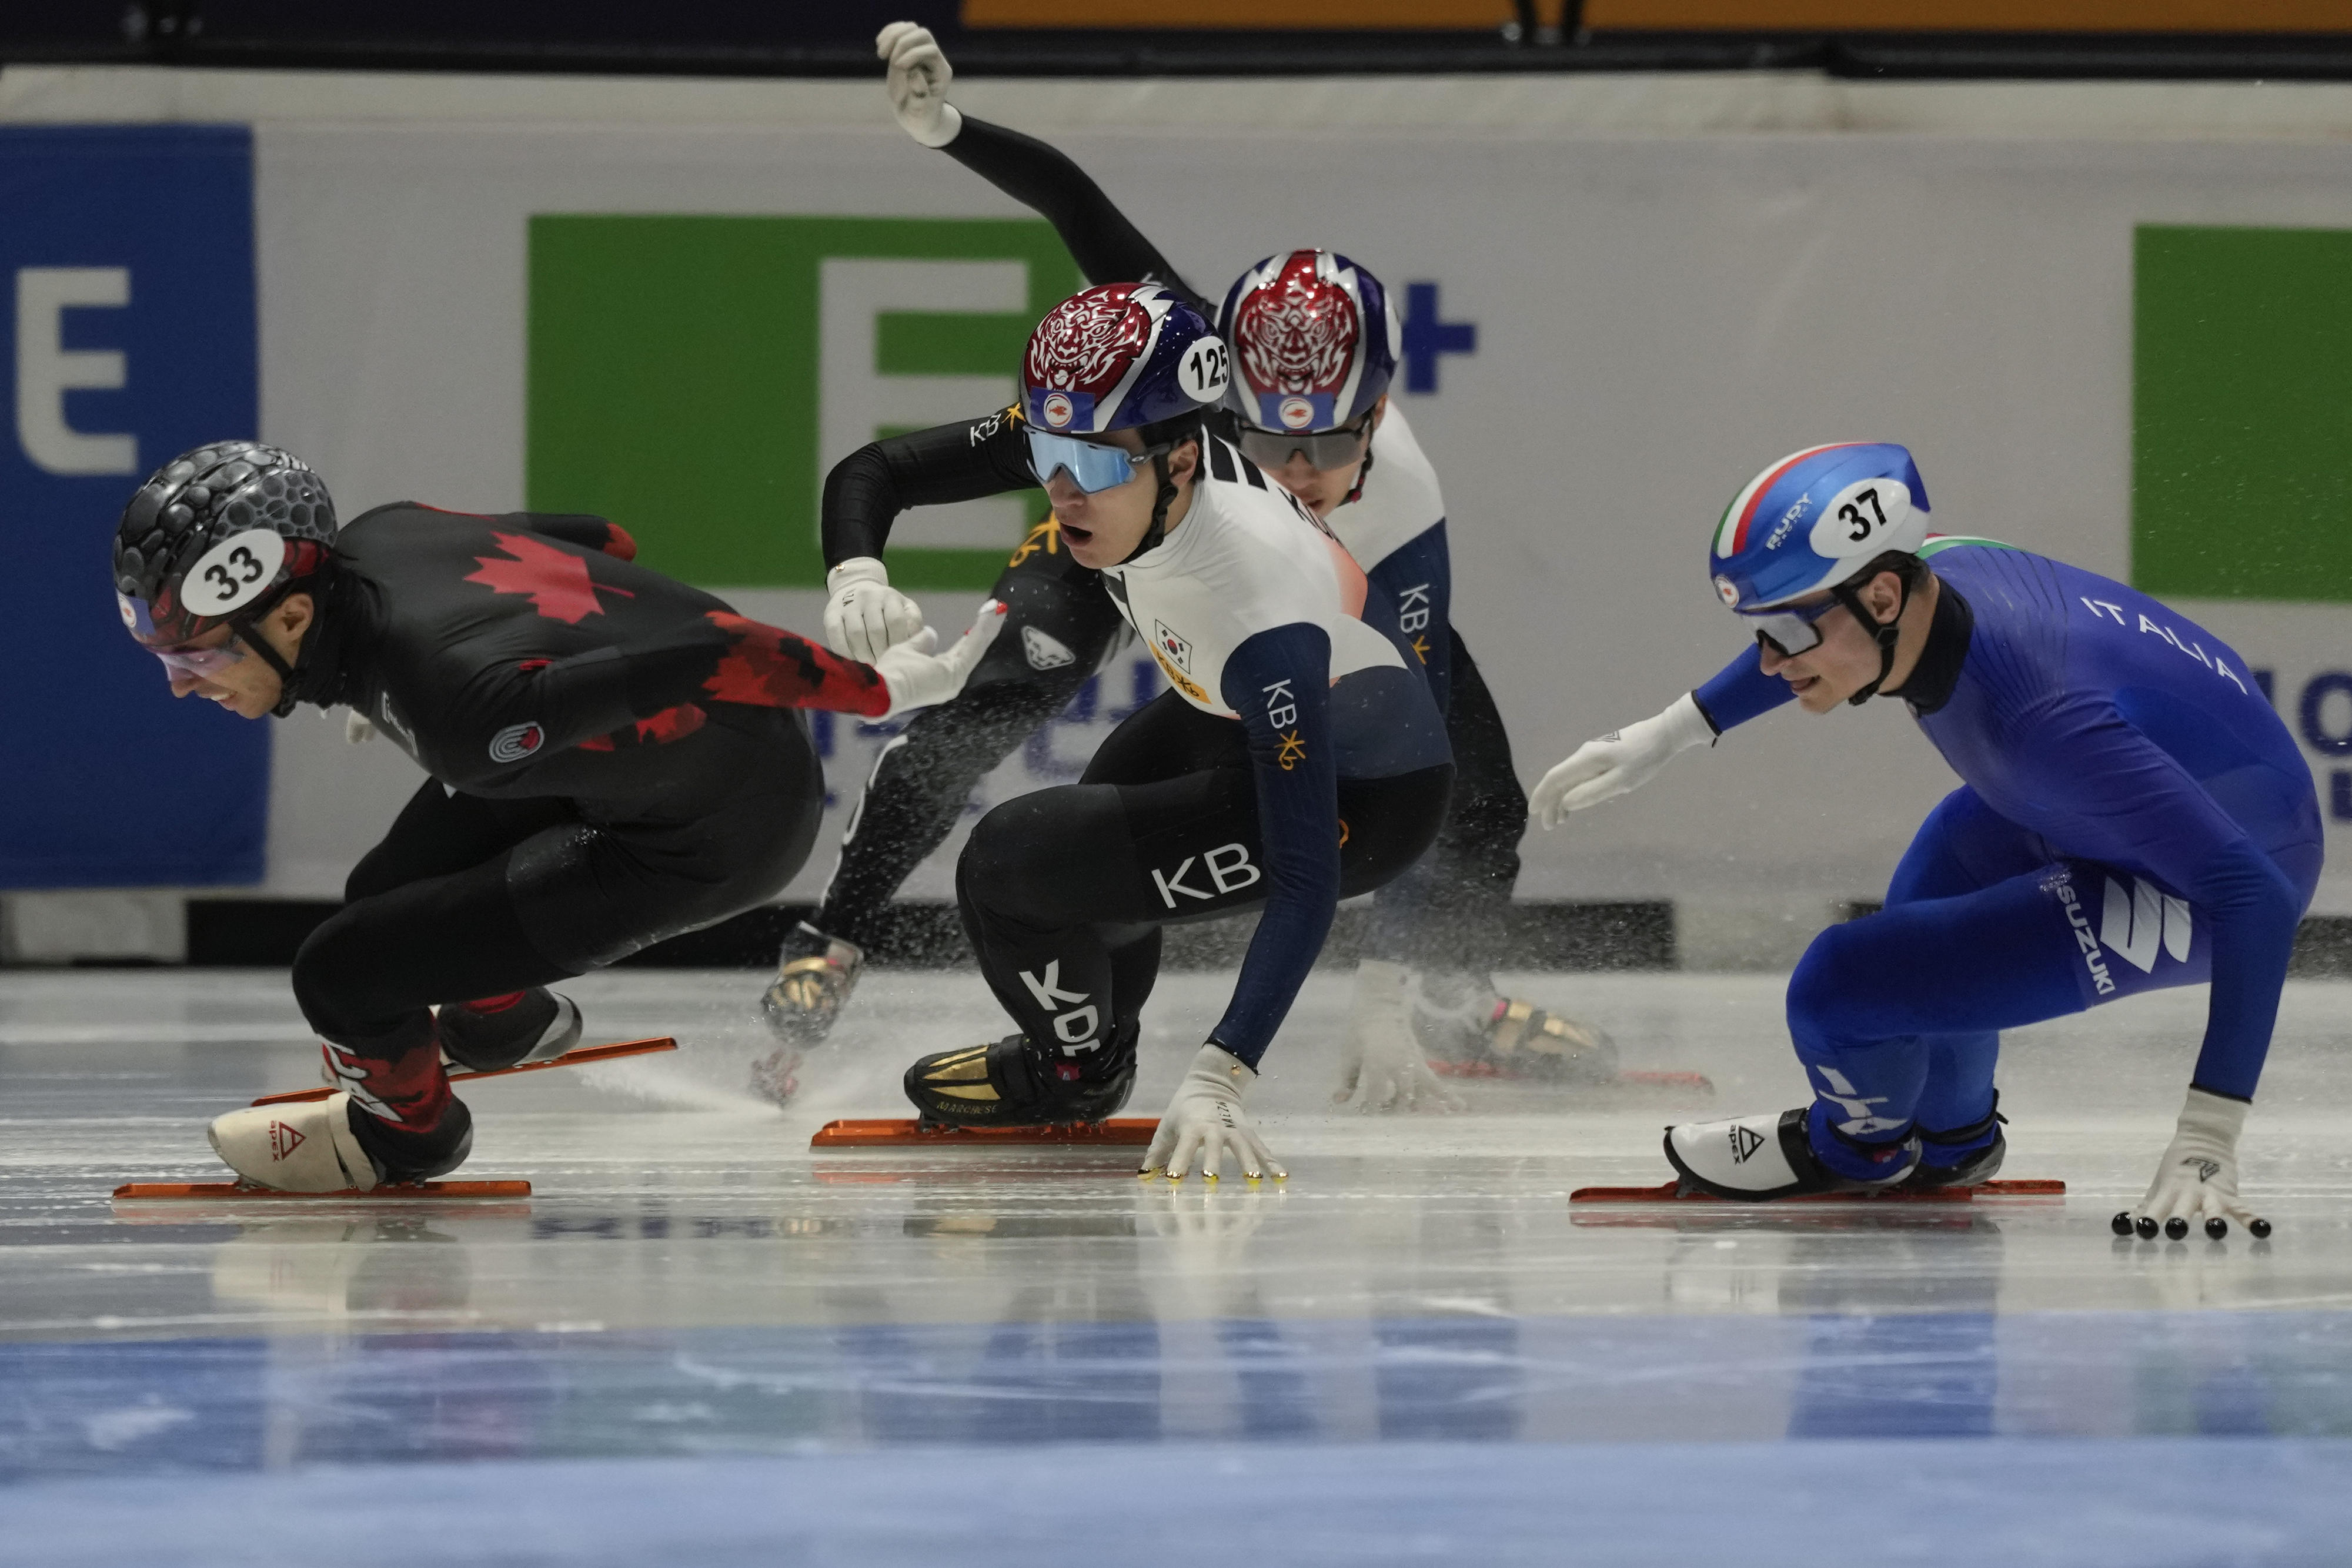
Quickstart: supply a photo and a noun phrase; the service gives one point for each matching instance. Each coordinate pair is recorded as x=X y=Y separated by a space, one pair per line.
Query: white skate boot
x=1754 y=1159
x=295 y=1148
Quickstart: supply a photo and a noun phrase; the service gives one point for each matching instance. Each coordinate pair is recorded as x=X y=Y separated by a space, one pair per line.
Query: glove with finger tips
x=917 y=83
x=2197 y=1180
x=1389 y=1070
x=917 y=677
x=1620 y=763
x=1205 y=1118
x=866 y=616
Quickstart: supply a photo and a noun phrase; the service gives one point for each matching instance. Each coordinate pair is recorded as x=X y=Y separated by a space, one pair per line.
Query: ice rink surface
x=701 y=1344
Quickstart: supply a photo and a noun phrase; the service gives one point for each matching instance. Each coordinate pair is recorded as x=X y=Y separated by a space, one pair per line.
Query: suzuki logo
x=2138 y=917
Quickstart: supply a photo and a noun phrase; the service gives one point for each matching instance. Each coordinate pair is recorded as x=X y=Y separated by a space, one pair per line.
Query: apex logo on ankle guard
x=1744 y=1141
x=284 y=1140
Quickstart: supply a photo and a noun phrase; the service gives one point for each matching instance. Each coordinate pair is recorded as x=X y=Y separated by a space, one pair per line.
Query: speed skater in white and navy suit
x=2133 y=815
x=1316 y=339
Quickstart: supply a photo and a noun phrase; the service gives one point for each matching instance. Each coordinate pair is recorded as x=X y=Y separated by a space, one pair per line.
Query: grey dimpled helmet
x=217 y=537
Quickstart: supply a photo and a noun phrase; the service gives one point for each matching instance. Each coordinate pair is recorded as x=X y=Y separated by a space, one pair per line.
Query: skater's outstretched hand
x=1205 y=1118
x=1387 y=1070
x=917 y=83
x=2197 y=1180
x=1621 y=762
x=917 y=677
x=866 y=616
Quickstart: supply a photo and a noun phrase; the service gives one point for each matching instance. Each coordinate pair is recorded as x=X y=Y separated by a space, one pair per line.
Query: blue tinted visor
x=1091 y=467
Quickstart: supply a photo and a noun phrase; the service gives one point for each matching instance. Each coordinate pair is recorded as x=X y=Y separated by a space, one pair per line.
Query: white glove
x=1389 y=1071
x=917 y=677
x=2197 y=1180
x=1206 y=1118
x=866 y=614
x=919 y=74
x=1620 y=763
x=357 y=729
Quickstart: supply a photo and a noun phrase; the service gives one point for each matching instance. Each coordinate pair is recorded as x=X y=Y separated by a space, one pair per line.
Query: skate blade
x=581 y=1057
x=908 y=1132
x=240 y=1192
x=1671 y=1192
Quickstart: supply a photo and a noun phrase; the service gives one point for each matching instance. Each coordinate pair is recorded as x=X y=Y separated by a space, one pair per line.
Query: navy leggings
x=1896 y=1016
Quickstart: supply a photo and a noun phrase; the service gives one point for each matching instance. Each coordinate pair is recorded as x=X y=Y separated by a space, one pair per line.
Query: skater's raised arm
x=865 y=492
x=965 y=461
x=1108 y=247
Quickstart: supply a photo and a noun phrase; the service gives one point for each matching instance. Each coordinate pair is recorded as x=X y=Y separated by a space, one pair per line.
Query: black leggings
x=1064 y=892
x=1059 y=627
x=1451 y=911
x=468 y=896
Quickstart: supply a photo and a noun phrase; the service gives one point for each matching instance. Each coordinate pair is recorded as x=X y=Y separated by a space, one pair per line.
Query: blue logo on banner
x=129 y=255
x=1427 y=335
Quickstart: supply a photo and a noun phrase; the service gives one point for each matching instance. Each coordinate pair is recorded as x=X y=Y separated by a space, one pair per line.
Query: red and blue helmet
x=1815 y=519
x=1314 y=340
x=1120 y=356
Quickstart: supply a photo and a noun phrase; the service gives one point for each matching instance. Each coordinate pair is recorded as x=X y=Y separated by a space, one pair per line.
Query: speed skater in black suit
x=614 y=758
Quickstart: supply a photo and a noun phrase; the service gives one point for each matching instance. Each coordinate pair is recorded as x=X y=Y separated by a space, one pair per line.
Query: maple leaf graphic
x=558 y=583
x=766 y=667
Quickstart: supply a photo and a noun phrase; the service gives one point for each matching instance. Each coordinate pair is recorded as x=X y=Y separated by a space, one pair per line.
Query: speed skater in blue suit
x=2132 y=816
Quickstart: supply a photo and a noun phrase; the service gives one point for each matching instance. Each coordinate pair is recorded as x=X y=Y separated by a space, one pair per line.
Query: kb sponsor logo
x=1227 y=867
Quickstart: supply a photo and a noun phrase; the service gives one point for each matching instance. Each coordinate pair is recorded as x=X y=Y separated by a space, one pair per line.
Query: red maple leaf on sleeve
x=557 y=581
x=764 y=667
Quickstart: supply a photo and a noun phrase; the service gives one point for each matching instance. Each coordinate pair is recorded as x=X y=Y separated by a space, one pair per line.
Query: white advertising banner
x=1637 y=295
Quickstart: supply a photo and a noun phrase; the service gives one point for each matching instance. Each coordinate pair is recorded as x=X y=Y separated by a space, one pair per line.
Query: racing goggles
x=1092 y=466
x=201 y=662
x=1323 y=449
x=1788 y=630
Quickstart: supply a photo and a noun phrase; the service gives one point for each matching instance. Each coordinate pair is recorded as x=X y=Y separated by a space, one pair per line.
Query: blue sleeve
x=1413 y=586
x=1279 y=682
x=2127 y=803
x=1741 y=691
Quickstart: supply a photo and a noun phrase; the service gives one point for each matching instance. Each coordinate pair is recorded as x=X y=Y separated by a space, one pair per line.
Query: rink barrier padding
x=427 y=1191
x=579 y=1058
x=1671 y=1192
x=897 y=1133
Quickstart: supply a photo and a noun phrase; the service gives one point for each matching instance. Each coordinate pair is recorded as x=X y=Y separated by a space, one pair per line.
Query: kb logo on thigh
x=1227 y=866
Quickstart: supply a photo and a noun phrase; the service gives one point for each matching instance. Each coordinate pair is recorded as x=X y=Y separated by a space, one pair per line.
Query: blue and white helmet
x=1815 y=519
x=1316 y=337
x=1120 y=356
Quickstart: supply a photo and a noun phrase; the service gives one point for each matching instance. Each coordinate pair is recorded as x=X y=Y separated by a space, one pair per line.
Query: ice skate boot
x=1962 y=1156
x=333 y=1145
x=815 y=975
x=491 y=1033
x=1754 y=1159
x=1017 y=1083
x=1464 y=1020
